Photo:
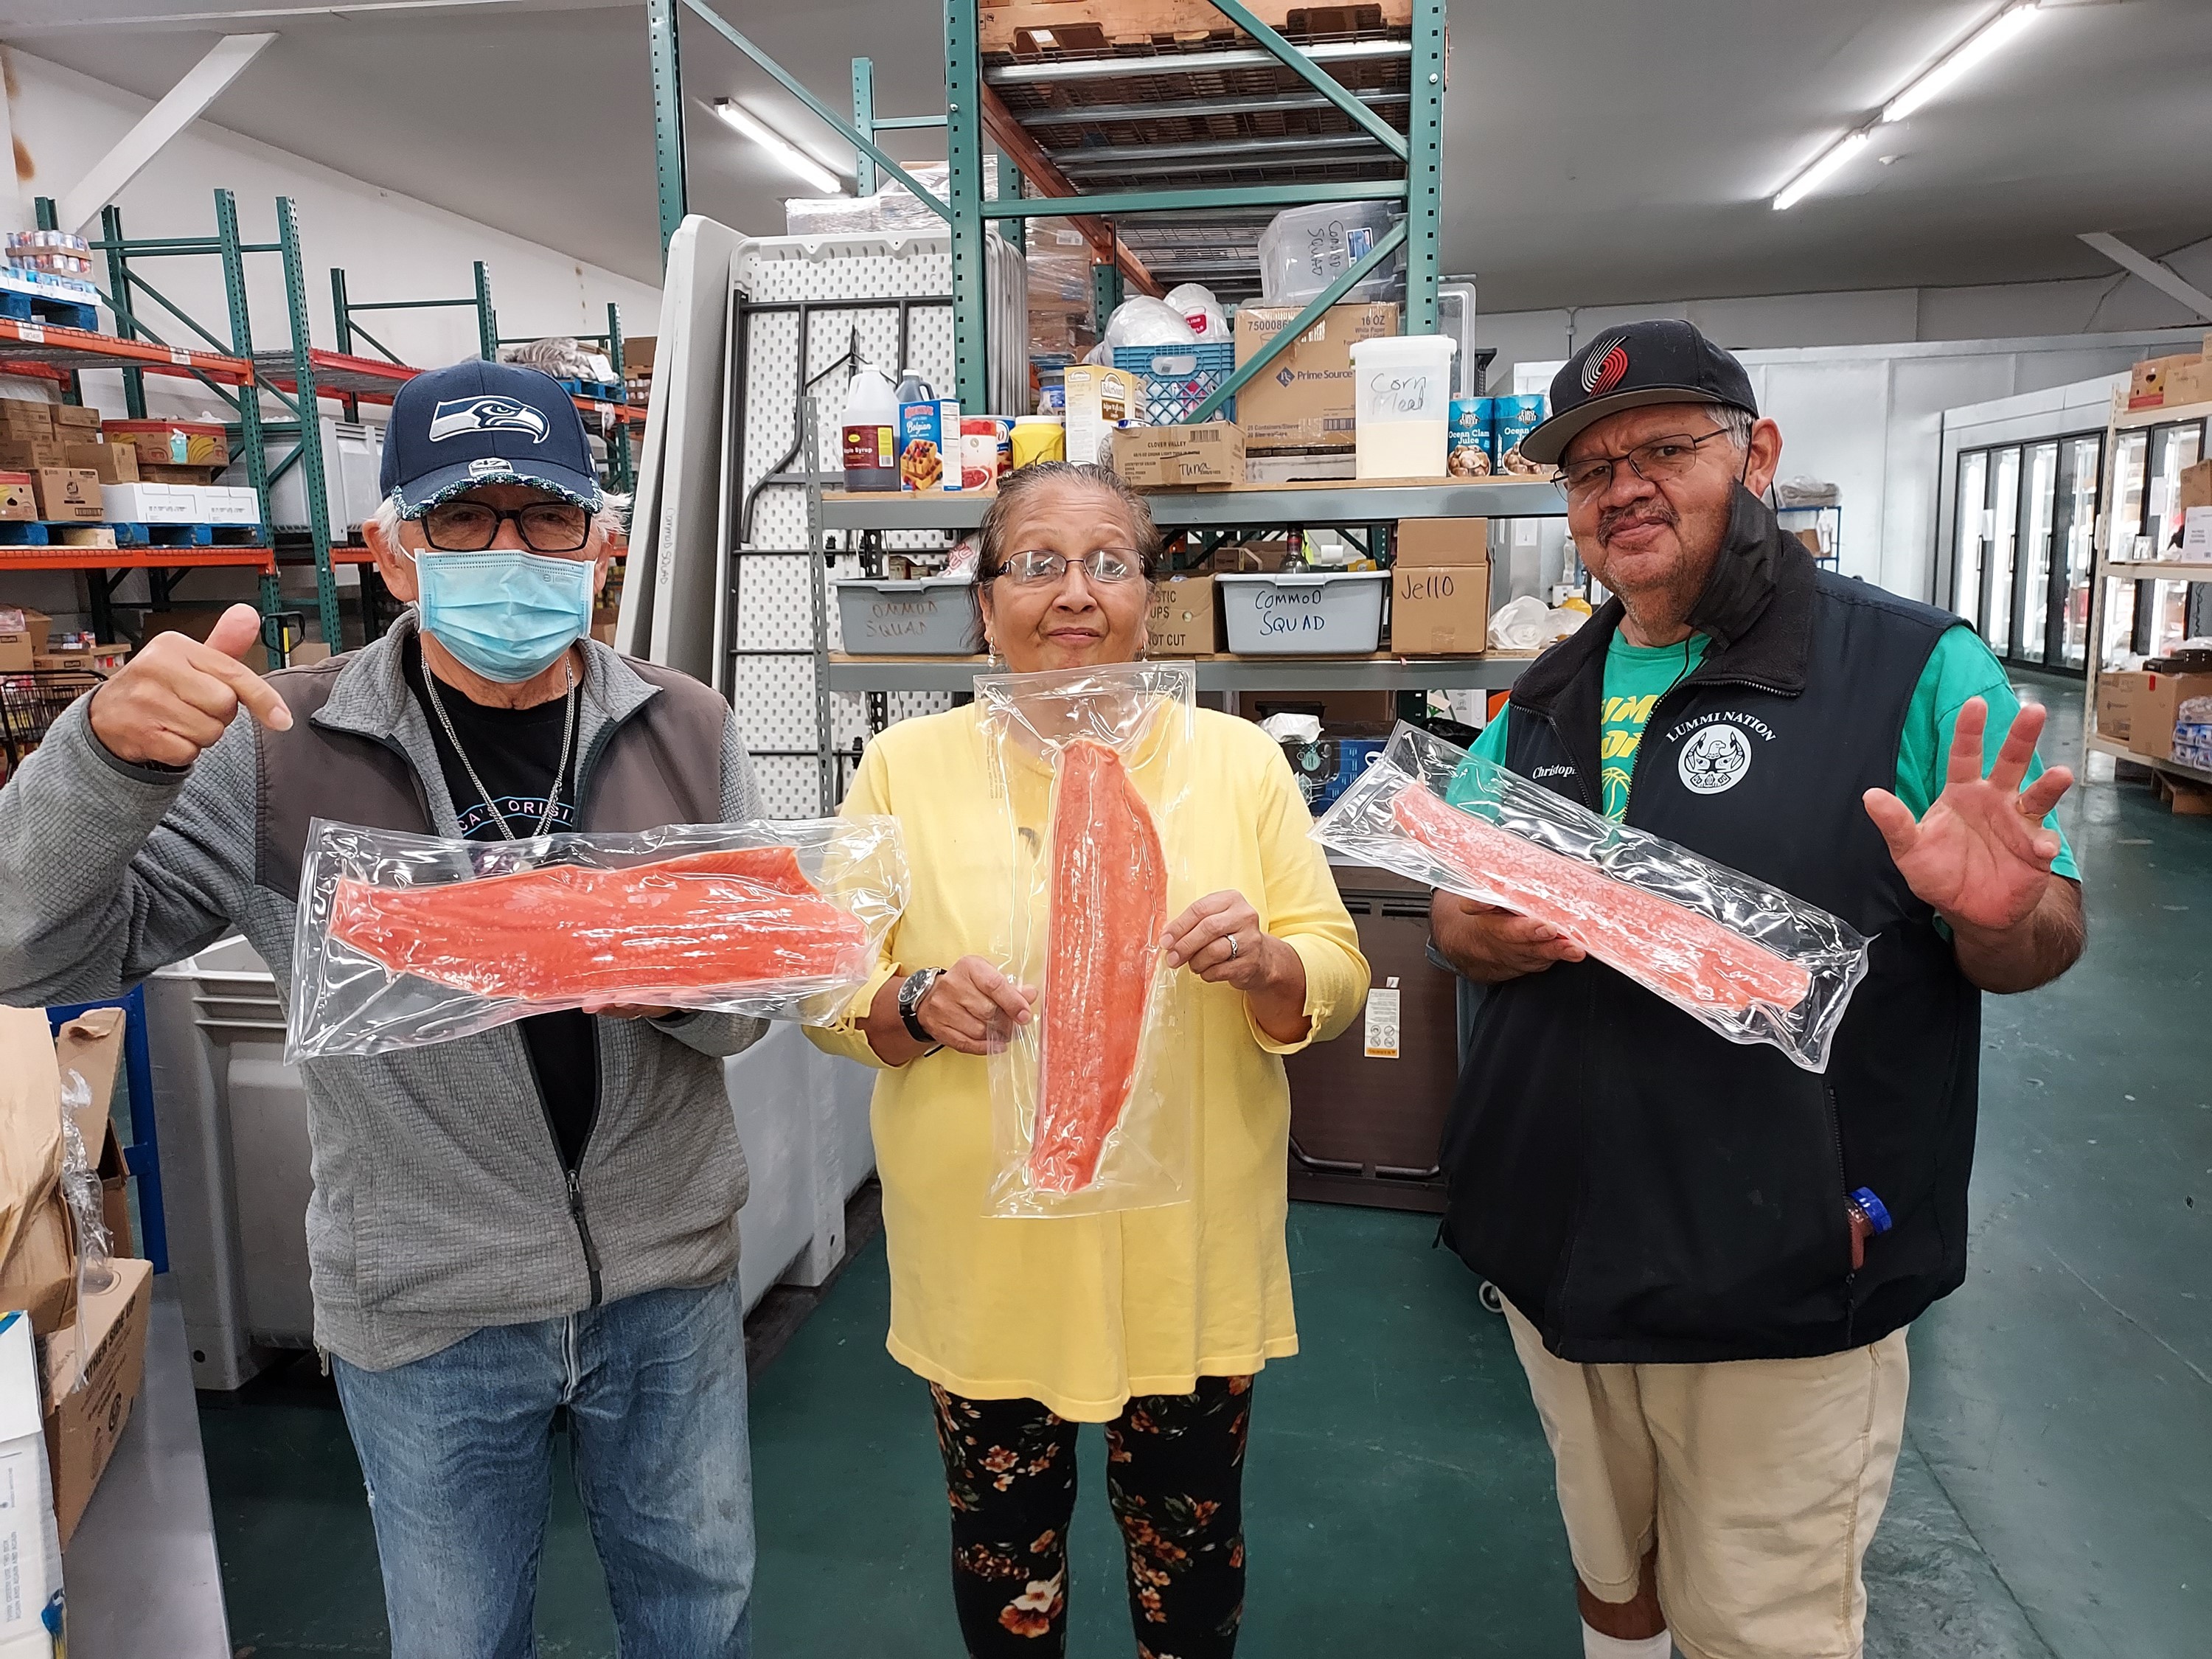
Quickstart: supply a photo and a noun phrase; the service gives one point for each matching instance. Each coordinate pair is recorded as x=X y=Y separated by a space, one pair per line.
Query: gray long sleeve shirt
x=440 y=1204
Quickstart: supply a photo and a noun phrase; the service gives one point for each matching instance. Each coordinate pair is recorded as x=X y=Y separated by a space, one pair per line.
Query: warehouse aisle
x=2050 y=1506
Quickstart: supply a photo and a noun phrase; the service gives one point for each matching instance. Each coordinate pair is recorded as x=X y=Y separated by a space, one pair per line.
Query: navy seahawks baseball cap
x=1660 y=361
x=476 y=424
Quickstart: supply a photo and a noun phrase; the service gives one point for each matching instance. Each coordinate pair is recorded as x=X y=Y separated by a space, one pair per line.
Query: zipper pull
x=575 y=1194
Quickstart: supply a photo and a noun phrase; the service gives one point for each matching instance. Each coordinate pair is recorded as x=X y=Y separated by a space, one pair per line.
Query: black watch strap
x=917 y=987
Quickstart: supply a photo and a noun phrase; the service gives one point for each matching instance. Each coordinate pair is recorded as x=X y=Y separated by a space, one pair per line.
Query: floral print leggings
x=1175 y=1471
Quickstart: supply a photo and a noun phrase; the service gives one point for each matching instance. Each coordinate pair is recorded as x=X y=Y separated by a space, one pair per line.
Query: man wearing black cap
x=1709 y=1256
x=533 y=1224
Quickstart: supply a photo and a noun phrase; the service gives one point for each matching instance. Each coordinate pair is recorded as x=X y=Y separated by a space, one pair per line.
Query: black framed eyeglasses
x=1104 y=564
x=1669 y=457
x=465 y=527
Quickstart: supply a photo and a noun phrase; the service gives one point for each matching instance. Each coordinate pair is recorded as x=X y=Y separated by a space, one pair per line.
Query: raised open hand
x=1982 y=855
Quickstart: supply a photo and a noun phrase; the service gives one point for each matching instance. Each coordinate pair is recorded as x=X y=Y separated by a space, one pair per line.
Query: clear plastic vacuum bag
x=407 y=940
x=1091 y=1102
x=1738 y=955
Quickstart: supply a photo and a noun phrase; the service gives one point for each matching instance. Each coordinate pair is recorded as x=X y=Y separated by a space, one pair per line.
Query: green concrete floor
x=2055 y=1501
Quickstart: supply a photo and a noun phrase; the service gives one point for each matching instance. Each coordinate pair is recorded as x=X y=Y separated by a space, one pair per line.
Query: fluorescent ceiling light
x=1946 y=72
x=1930 y=83
x=1831 y=160
x=792 y=158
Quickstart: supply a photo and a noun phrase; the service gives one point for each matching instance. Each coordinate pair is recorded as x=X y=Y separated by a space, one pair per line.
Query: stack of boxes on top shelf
x=53 y=266
x=2172 y=382
x=74 y=1308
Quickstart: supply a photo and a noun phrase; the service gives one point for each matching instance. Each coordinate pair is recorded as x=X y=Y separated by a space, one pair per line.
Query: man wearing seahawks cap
x=1709 y=1256
x=536 y=1224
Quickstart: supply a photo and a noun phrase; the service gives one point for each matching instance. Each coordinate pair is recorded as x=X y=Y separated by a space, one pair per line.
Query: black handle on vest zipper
x=583 y=1234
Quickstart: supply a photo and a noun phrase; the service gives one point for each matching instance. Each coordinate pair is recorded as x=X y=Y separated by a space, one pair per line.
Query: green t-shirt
x=1960 y=668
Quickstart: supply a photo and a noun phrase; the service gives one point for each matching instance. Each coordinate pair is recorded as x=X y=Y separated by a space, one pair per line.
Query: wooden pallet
x=1013 y=26
x=23 y=307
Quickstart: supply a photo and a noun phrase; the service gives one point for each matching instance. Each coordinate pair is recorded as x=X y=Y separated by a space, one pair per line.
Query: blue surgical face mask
x=507 y=615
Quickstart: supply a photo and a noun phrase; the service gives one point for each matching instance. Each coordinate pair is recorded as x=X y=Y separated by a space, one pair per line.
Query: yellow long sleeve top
x=1081 y=1312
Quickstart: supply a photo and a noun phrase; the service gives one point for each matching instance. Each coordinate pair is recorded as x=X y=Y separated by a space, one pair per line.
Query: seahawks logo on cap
x=457 y=416
x=1604 y=368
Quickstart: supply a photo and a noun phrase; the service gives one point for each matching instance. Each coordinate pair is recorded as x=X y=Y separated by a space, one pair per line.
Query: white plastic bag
x=1740 y=956
x=1142 y=320
x=1198 y=307
x=405 y=939
x=1090 y=1100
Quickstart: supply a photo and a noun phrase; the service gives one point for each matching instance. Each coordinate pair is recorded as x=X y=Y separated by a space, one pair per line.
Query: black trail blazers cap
x=1660 y=361
x=475 y=424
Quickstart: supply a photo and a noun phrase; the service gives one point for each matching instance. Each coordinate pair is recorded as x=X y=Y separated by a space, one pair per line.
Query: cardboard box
x=1304 y=399
x=68 y=493
x=2151 y=719
x=91 y=1045
x=20 y=639
x=83 y=535
x=151 y=503
x=18 y=499
x=227 y=503
x=1299 y=466
x=110 y=463
x=88 y=1410
x=32 y=1236
x=1181 y=620
x=91 y=659
x=1355 y=714
x=1431 y=542
x=2148 y=386
x=1178 y=456
x=1098 y=399
x=2117 y=696
x=2195 y=487
x=30 y=1542
x=31 y=454
x=171 y=443
x=1440 y=610
x=74 y=417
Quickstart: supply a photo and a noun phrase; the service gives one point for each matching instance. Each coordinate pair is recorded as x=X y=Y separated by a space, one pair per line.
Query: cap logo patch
x=457 y=416
x=1604 y=369
x=491 y=466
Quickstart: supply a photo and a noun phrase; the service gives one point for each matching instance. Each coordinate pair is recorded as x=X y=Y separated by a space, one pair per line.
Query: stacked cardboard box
x=2169 y=382
x=1440 y=587
x=1303 y=399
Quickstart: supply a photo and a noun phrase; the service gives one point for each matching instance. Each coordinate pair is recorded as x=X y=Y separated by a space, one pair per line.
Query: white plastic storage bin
x=1324 y=614
x=353 y=457
x=1402 y=387
x=920 y=616
x=1304 y=249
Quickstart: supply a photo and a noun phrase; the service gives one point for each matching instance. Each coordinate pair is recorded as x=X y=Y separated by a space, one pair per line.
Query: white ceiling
x=1598 y=151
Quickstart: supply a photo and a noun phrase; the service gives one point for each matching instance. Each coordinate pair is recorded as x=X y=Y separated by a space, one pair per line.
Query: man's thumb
x=238 y=631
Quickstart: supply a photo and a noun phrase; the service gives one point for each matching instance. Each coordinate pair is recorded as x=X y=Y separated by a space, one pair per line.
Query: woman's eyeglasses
x=1104 y=564
x=472 y=526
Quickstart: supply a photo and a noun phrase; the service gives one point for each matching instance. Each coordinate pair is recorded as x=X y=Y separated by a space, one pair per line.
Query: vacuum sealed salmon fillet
x=407 y=940
x=1747 y=959
x=1088 y=770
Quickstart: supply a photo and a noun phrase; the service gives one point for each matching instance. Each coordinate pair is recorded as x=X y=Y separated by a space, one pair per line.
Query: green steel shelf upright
x=128 y=286
x=622 y=474
x=345 y=309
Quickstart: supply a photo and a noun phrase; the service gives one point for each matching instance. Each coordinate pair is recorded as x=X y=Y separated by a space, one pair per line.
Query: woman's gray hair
x=1018 y=486
x=612 y=520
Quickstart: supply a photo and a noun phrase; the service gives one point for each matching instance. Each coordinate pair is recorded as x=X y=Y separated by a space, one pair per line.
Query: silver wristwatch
x=911 y=992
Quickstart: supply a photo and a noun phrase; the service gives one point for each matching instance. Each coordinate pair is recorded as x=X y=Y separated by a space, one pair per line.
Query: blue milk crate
x=1178 y=379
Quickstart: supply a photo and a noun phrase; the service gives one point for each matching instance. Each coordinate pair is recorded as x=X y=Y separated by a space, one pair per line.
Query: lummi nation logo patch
x=1716 y=758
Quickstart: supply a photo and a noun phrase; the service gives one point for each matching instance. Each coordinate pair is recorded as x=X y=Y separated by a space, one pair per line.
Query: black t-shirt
x=514 y=751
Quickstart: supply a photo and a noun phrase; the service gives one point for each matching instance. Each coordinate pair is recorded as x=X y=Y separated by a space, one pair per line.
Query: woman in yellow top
x=1151 y=1321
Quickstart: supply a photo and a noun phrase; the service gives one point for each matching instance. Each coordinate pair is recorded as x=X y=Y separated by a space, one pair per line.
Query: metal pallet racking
x=2127 y=575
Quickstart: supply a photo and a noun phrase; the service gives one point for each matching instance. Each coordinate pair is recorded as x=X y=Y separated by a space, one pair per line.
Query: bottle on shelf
x=870 y=447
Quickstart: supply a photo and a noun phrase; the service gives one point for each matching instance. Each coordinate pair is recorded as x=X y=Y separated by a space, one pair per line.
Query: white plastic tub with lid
x=1403 y=386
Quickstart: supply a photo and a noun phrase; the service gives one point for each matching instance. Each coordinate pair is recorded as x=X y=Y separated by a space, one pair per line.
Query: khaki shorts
x=1761 y=1481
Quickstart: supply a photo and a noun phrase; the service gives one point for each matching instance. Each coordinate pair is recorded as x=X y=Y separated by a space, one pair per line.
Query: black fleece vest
x=1642 y=1189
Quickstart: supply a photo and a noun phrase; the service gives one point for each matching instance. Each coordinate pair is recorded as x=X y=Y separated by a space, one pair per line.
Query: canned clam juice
x=1511 y=421
x=1469 y=453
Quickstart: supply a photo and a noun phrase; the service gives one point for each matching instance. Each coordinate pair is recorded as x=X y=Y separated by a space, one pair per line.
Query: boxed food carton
x=18 y=499
x=30 y=1542
x=152 y=503
x=1304 y=398
x=929 y=446
x=80 y=417
x=1178 y=456
x=85 y=660
x=68 y=493
x=84 y=535
x=23 y=633
x=2116 y=696
x=1180 y=622
x=171 y=443
x=1098 y=399
x=2151 y=719
x=1430 y=542
x=1440 y=610
x=36 y=1268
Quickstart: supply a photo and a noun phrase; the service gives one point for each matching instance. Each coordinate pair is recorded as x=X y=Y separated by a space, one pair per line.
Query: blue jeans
x=458 y=1453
